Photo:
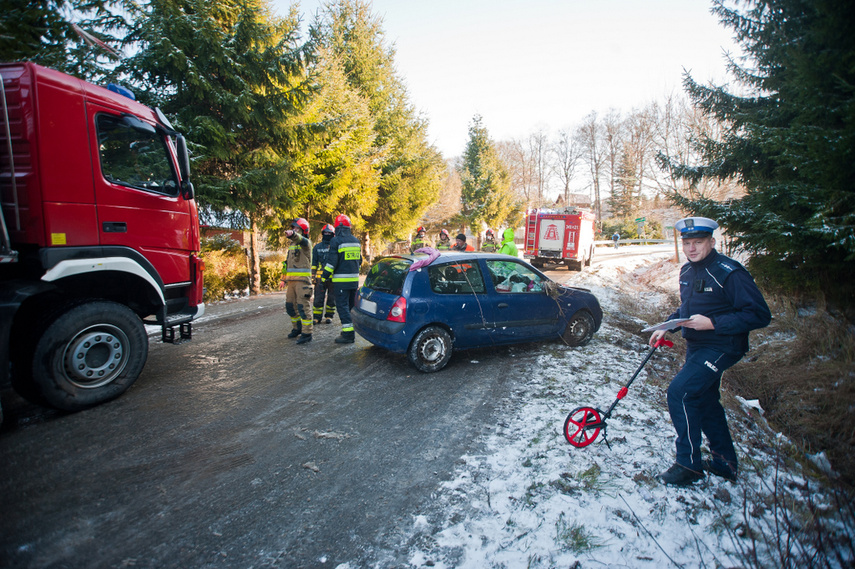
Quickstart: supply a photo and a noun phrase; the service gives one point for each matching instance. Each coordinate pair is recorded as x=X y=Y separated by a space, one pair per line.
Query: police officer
x=342 y=267
x=420 y=240
x=489 y=245
x=444 y=243
x=298 y=281
x=723 y=304
x=323 y=290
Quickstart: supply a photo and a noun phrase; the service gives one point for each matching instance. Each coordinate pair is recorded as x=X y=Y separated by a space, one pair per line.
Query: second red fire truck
x=560 y=236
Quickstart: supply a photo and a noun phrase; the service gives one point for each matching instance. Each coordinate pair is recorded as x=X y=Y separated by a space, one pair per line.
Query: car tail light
x=399 y=310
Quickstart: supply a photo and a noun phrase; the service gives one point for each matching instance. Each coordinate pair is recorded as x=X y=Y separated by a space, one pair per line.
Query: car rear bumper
x=389 y=335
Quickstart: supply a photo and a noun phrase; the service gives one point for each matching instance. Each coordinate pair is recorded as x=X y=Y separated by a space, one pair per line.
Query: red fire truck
x=99 y=235
x=565 y=236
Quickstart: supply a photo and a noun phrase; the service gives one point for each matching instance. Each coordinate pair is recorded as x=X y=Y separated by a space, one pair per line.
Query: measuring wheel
x=582 y=426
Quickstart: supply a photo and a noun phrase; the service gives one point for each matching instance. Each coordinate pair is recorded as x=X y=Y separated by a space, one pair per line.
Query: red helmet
x=328 y=229
x=302 y=224
x=420 y=229
x=489 y=232
x=444 y=232
x=342 y=220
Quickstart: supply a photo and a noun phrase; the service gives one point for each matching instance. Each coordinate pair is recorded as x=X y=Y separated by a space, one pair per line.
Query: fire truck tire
x=579 y=330
x=590 y=257
x=91 y=353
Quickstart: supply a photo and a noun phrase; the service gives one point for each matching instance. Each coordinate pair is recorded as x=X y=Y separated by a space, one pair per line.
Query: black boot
x=679 y=475
x=346 y=338
x=304 y=339
x=295 y=331
x=720 y=469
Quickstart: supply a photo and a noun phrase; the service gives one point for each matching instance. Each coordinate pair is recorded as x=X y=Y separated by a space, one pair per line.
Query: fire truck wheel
x=579 y=330
x=431 y=349
x=89 y=354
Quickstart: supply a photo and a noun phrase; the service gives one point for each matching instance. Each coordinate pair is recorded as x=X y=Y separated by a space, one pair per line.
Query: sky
x=543 y=64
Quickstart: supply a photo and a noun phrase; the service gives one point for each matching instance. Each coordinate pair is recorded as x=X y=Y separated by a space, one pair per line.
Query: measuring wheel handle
x=582 y=426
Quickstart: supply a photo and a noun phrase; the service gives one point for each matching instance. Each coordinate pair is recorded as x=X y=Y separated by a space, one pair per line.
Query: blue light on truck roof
x=121 y=91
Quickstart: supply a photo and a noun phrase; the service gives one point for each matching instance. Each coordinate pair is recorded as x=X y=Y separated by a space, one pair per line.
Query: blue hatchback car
x=467 y=300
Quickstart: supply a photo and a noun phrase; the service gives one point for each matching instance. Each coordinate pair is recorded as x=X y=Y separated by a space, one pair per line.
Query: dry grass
x=802 y=369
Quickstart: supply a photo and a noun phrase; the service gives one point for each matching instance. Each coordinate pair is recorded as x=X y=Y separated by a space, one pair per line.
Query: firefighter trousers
x=344 y=301
x=298 y=305
x=324 y=293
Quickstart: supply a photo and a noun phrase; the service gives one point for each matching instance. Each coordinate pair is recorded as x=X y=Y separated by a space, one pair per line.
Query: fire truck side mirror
x=184 y=167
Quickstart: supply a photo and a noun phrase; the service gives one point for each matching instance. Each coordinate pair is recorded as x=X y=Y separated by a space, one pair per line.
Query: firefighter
x=444 y=243
x=508 y=246
x=342 y=267
x=298 y=281
x=460 y=243
x=489 y=245
x=323 y=290
x=420 y=240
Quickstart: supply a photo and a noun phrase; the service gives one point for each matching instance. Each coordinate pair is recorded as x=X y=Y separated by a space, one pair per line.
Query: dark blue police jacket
x=722 y=290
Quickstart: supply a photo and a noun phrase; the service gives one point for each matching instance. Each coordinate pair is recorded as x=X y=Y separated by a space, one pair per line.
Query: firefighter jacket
x=418 y=243
x=443 y=245
x=298 y=264
x=343 y=259
x=319 y=256
x=722 y=290
x=489 y=246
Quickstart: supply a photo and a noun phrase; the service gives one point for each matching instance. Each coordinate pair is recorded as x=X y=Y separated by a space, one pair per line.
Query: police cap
x=690 y=227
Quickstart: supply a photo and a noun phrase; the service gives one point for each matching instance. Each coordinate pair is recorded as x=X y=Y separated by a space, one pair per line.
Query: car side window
x=508 y=276
x=131 y=157
x=456 y=278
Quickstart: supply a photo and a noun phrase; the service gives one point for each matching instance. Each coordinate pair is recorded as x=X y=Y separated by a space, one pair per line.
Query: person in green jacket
x=508 y=246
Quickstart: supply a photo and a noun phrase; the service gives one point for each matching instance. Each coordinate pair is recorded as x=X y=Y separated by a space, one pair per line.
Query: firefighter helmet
x=490 y=232
x=444 y=232
x=420 y=229
x=342 y=220
x=328 y=229
x=302 y=224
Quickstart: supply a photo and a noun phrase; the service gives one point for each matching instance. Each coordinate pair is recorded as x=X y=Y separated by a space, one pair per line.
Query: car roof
x=454 y=256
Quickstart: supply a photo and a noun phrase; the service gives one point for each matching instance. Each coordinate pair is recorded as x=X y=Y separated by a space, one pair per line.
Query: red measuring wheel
x=582 y=426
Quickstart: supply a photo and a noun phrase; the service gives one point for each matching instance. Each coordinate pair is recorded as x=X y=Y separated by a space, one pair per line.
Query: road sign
x=641 y=220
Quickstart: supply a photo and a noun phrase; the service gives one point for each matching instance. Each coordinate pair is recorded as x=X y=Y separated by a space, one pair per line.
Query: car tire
x=91 y=353
x=431 y=349
x=579 y=330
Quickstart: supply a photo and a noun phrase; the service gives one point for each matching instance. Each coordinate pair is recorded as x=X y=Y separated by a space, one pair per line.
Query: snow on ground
x=532 y=500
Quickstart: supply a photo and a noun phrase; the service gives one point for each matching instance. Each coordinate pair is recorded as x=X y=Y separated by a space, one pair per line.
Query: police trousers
x=695 y=408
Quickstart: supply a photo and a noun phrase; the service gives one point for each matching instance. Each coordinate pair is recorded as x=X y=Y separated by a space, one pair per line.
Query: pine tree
x=411 y=170
x=234 y=76
x=83 y=38
x=485 y=183
x=790 y=141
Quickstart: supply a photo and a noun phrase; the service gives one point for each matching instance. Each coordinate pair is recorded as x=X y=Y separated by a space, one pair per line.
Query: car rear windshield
x=387 y=275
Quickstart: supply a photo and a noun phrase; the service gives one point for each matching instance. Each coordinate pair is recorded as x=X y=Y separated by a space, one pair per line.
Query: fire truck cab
x=99 y=235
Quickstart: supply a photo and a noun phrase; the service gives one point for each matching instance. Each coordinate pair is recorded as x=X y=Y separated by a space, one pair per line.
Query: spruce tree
x=234 y=77
x=485 y=183
x=411 y=170
x=83 y=38
x=790 y=142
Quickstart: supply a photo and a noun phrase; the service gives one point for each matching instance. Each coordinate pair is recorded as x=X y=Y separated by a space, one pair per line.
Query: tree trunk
x=254 y=262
